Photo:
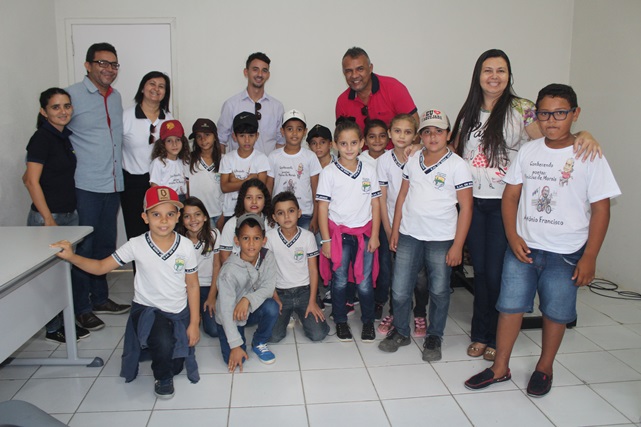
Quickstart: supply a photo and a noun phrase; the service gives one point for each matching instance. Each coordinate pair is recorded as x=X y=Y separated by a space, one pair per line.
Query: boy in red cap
x=163 y=324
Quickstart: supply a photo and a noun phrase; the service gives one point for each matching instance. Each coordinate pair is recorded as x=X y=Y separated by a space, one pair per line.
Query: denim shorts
x=550 y=275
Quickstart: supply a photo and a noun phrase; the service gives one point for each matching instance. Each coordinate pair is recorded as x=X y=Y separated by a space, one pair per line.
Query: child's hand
x=454 y=257
x=66 y=251
x=412 y=149
x=327 y=250
x=584 y=271
x=313 y=225
x=237 y=357
x=520 y=249
x=193 y=334
x=279 y=302
x=373 y=244
x=242 y=309
x=210 y=306
x=393 y=241
x=315 y=311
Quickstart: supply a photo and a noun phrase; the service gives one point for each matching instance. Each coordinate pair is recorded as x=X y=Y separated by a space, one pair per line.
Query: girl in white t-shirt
x=204 y=169
x=253 y=197
x=170 y=158
x=196 y=225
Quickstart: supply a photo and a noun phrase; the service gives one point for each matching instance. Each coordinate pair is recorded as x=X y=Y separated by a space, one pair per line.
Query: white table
x=35 y=285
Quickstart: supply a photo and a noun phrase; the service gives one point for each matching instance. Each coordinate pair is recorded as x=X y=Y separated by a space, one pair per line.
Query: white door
x=141 y=48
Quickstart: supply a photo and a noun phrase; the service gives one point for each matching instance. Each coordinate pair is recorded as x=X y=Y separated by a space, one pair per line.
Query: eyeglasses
x=106 y=64
x=257 y=108
x=365 y=111
x=558 y=115
x=152 y=129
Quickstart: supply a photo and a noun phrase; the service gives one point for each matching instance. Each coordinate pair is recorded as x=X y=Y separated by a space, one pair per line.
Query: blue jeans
x=304 y=221
x=411 y=255
x=550 y=274
x=486 y=243
x=296 y=300
x=98 y=210
x=265 y=317
x=209 y=322
x=34 y=219
x=384 y=279
x=340 y=278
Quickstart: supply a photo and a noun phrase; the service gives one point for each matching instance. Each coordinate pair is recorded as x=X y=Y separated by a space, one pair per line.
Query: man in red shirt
x=371 y=96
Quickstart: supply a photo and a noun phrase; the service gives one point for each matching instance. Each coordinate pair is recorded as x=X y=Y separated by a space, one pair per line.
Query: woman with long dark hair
x=489 y=130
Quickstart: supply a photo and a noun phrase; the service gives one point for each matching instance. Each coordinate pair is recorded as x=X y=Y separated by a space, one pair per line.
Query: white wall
x=605 y=72
x=29 y=65
x=431 y=46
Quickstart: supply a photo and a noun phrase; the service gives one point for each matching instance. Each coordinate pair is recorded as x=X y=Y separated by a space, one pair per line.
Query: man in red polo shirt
x=371 y=96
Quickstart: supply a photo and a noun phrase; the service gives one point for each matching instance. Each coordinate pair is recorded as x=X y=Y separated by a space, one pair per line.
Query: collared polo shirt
x=97 y=137
x=389 y=97
x=271 y=112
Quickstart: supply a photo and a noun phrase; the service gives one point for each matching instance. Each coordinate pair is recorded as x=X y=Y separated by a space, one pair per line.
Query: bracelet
x=325 y=241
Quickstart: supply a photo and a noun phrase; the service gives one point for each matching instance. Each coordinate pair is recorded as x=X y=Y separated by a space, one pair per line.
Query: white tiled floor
x=597 y=379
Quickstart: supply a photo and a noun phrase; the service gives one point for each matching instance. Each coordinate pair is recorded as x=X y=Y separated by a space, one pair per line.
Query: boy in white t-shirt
x=242 y=164
x=295 y=169
x=165 y=311
x=556 y=213
x=428 y=231
x=296 y=254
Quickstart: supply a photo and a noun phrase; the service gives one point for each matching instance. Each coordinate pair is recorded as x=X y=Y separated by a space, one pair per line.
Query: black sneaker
x=328 y=298
x=164 y=389
x=369 y=333
x=343 y=333
x=378 y=311
x=56 y=337
x=60 y=337
x=82 y=333
x=89 y=321
x=432 y=348
x=350 y=308
x=539 y=384
x=393 y=341
x=110 y=307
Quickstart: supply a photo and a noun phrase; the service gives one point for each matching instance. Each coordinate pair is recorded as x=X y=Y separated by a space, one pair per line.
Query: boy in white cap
x=164 y=318
x=428 y=231
x=295 y=169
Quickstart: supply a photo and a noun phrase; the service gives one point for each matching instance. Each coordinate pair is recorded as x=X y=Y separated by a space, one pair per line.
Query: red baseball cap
x=171 y=128
x=158 y=195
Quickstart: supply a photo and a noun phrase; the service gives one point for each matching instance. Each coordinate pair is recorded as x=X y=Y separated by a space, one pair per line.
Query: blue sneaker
x=264 y=354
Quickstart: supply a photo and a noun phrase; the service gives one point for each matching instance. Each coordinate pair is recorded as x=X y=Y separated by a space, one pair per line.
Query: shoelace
x=419 y=322
x=262 y=348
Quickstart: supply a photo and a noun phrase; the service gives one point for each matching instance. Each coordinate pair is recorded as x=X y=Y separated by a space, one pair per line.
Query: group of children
x=363 y=206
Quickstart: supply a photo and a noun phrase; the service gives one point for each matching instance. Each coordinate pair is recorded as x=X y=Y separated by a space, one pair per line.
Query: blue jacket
x=136 y=341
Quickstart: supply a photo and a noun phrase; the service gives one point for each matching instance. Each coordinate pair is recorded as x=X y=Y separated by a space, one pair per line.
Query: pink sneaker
x=420 y=327
x=386 y=325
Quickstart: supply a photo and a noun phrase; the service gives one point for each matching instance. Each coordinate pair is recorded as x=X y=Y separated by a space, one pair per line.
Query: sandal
x=490 y=354
x=476 y=349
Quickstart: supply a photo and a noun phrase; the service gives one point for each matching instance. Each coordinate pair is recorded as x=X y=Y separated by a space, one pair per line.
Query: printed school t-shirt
x=292 y=257
x=554 y=207
x=429 y=211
